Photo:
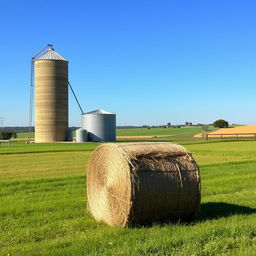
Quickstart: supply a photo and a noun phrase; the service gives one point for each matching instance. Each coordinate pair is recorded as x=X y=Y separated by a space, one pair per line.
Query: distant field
x=184 y=133
x=177 y=134
x=22 y=135
x=241 y=131
x=43 y=205
x=156 y=131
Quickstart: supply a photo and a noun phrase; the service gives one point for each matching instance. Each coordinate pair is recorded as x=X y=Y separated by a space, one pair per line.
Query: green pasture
x=25 y=135
x=43 y=205
x=177 y=134
x=172 y=134
x=142 y=131
x=156 y=131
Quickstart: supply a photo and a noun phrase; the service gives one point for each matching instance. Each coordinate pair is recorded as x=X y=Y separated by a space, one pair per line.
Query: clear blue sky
x=151 y=62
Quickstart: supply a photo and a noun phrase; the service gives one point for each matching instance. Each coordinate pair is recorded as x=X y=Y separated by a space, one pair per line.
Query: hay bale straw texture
x=129 y=184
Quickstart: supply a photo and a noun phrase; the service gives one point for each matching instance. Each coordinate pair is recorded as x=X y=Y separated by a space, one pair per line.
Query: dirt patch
x=199 y=135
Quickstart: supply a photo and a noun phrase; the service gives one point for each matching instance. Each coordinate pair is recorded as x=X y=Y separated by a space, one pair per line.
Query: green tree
x=220 y=123
x=6 y=135
x=14 y=135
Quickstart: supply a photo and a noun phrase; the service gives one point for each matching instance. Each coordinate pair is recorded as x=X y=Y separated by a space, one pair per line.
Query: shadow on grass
x=216 y=210
x=209 y=211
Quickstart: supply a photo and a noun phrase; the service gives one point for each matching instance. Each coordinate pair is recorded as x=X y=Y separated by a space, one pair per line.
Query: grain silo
x=100 y=125
x=51 y=97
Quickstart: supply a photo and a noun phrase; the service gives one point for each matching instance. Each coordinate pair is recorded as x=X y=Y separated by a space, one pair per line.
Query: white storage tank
x=100 y=125
x=81 y=135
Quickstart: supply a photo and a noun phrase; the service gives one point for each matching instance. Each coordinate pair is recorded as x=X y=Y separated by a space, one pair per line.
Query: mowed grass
x=43 y=205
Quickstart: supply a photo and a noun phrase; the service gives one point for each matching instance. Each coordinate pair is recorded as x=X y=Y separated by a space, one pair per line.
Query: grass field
x=178 y=134
x=43 y=205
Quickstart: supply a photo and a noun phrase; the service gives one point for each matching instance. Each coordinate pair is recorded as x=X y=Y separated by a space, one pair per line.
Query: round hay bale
x=135 y=183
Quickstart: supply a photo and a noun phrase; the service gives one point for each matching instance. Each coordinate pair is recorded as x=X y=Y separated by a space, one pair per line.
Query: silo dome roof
x=100 y=112
x=51 y=54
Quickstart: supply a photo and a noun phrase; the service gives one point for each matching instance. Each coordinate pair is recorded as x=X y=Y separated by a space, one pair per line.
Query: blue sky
x=151 y=62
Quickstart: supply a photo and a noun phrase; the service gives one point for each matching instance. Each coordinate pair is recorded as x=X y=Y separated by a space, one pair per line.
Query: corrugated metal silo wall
x=100 y=127
x=51 y=100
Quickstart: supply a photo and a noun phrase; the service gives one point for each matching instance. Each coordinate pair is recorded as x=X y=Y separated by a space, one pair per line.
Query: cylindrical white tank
x=81 y=135
x=100 y=125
